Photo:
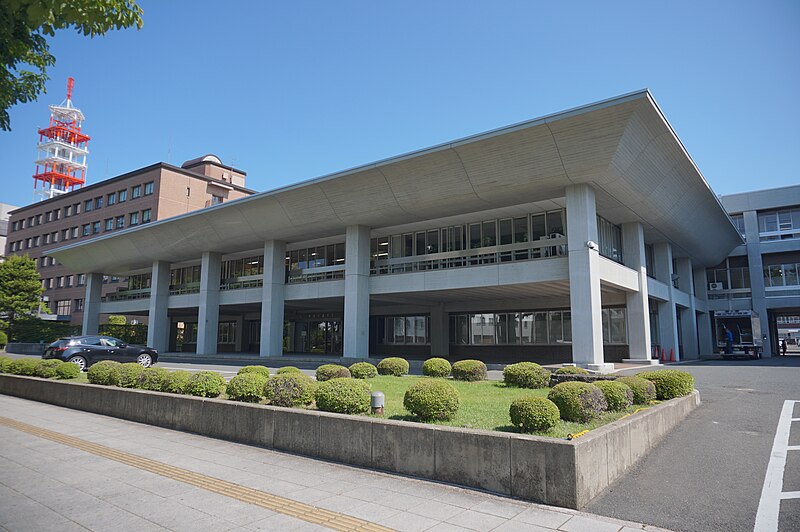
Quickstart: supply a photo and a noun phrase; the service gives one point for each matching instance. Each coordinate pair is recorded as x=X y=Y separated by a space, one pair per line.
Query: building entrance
x=318 y=336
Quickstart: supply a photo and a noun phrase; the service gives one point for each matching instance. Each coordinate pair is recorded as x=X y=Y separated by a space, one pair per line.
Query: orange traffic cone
x=671 y=355
x=663 y=355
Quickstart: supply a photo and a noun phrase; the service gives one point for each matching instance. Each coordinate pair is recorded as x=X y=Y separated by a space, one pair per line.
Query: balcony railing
x=181 y=289
x=125 y=295
x=312 y=275
x=244 y=281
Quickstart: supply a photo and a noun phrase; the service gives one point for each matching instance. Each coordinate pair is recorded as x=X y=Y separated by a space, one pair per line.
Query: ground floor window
x=403 y=330
x=227 y=332
x=615 y=329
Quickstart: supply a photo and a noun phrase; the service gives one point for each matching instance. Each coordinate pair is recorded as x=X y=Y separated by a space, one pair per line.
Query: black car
x=86 y=350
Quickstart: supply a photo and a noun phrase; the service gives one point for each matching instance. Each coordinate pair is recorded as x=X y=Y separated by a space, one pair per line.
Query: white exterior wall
x=158 y=320
x=208 y=310
x=637 y=302
x=272 y=302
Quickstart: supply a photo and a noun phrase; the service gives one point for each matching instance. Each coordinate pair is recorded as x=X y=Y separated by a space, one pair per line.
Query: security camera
x=591 y=244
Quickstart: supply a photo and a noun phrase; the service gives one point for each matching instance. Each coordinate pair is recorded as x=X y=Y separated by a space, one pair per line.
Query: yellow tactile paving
x=306 y=512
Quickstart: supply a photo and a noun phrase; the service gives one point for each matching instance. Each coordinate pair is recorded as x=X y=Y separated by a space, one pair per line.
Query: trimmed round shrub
x=526 y=375
x=261 y=370
x=5 y=363
x=432 y=400
x=290 y=389
x=46 y=369
x=343 y=395
x=67 y=370
x=205 y=384
x=3 y=339
x=105 y=372
x=394 y=366
x=246 y=387
x=643 y=390
x=24 y=366
x=670 y=383
x=152 y=378
x=363 y=370
x=129 y=374
x=436 y=367
x=469 y=370
x=578 y=401
x=534 y=414
x=619 y=396
x=289 y=369
x=176 y=381
x=327 y=372
x=571 y=370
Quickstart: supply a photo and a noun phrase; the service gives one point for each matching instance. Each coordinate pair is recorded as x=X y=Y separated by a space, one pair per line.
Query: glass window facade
x=403 y=330
x=609 y=237
x=779 y=225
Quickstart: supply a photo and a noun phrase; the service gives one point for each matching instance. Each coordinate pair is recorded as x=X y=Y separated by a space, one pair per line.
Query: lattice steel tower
x=62 y=151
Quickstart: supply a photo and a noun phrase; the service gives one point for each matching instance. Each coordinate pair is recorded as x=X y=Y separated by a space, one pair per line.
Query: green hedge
x=68 y=370
x=619 y=396
x=643 y=390
x=261 y=370
x=578 y=401
x=152 y=378
x=571 y=370
x=129 y=374
x=289 y=369
x=327 y=372
x=436 y=367
x=363 y=370
x=3 y=339
x=670 y=383
x=394 y=366
x=205 y=384
x=290 y=389
x=526 y=375
x=176 y=381
x=35 y=330
x=533 y=414
x=24 y=366
x=432 y=400
x=106 y=372
x=132 y=334
x=5 y=364
x=343 y=395
x=46 y=369
x=469 y=370
x=247 y=387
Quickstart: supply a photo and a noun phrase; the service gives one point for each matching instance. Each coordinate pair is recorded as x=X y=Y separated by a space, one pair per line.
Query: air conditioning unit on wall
x=715 y=286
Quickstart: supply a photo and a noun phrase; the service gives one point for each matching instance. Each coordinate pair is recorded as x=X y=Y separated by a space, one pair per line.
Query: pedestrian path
x=62 y=469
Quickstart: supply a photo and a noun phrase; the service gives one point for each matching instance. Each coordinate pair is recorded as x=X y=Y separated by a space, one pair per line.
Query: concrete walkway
x=65 y=470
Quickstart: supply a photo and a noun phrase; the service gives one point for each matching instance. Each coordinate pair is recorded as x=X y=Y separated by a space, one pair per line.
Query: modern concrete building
x=762 y=275
x=5 y=209
x=134 y=199
x=581 y=237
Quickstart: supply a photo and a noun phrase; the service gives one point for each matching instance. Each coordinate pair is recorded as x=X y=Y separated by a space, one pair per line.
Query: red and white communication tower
x=62 y=151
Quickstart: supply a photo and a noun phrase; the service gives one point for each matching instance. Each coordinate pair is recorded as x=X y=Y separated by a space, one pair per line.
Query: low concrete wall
x=558 y=472
x=18 y=348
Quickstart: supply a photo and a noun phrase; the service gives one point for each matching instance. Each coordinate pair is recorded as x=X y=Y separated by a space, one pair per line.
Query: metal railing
x=180 y=289
x=244 y=281
x=125 y=295
x=313 y=275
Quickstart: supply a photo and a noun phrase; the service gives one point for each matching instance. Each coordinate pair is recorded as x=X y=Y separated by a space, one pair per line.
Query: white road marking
x=769 y=506
x=790 y=495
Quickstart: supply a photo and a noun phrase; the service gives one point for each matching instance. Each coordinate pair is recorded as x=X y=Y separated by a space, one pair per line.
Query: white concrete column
x=440 y=333
x=208 y=310
x=637 y=302
x=356 y=292
x=704 y=339
x=688 y=315
x=272 y=299
x=91 y=304
x=584 y=279
x=756 y=269
x=158 y=318
x=667 y=315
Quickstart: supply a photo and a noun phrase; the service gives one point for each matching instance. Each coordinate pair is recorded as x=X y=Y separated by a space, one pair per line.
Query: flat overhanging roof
x=623 y=147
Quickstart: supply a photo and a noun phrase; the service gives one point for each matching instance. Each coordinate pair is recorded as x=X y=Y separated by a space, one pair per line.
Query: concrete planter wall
x=546 y=470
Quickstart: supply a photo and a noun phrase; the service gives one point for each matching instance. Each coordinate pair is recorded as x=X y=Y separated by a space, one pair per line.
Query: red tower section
x=62 y=151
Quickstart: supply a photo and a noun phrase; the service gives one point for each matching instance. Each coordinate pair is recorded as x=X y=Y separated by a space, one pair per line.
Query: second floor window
x=86 y=229
x=109 y=224
x=112 y=198
x=123 y=195
x=146 y=215
x=136 y=191
x=134 y=219
x=87 y=205
x=120 y=222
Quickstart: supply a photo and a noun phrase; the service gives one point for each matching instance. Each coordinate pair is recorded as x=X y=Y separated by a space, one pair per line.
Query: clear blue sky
x=291 y=90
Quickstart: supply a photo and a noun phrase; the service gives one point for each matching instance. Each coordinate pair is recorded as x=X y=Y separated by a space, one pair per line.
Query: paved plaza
x=65 y=470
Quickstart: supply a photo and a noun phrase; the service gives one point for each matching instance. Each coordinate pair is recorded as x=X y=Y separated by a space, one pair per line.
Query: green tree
x=20 y=289
x=116 y=319
x=24 y=51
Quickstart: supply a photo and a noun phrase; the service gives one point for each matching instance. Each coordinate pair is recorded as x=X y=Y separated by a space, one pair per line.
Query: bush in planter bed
x=176 y=381
x=571 y=370
x=363 y=370
x=394 y=366
x=432 y=400
x=289 y=369
x=436 y=367
x=534 y=414
x=618 y=395
x=327 y=372
x=104 y=372
x=5 y=364
x=205 y=384
x=526 y=375
x=24 y=366
x=643 y=390
x=469 y=370
x=129 y=374
x=152 y=379
x=670 y=383
x=343 y=395
x=46 y=369
x=68 y=370
x=246 y=387
x=578 y=401
x=261 y=370
x=290 y=389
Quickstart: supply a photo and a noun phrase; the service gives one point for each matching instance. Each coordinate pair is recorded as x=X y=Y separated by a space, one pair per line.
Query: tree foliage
x=24 y=51
x=20 y=289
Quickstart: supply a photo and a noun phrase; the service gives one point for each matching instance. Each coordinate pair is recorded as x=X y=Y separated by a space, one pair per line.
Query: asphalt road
x=709 y=472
